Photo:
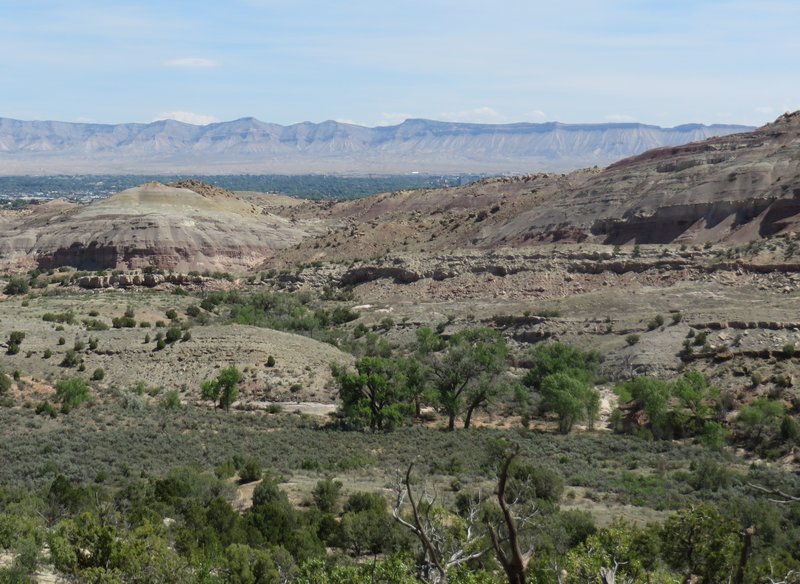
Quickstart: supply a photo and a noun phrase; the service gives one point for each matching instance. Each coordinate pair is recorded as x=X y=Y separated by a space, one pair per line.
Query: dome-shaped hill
x=153 y=224
x=171 y=200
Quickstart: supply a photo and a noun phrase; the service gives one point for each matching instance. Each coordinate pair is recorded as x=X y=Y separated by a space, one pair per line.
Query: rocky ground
x=742 y=304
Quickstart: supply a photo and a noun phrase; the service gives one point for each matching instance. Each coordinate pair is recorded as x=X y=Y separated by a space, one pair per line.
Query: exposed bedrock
x=682 y=222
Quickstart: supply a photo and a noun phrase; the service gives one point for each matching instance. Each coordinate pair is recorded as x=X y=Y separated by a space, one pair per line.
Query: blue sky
x=664 y=62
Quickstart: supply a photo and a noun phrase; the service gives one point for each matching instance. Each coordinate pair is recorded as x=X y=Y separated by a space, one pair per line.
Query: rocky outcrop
x=136 y=280
x=369 y=273
x=735 y=188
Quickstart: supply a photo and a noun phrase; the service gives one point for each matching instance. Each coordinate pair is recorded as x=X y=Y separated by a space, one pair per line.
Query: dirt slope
x=737 y=188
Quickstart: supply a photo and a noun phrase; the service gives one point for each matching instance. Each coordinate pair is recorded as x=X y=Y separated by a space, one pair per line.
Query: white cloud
x=348 y=121
x=191 y=63
x=187 y=118
x=483 y=114
x=619 y=118
x=394 y=119
x=536 y=115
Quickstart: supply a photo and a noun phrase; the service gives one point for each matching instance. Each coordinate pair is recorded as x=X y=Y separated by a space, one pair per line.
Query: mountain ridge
x=248 y=145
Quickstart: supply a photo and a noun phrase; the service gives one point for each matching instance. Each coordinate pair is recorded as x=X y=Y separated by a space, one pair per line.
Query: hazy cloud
x=619 y=118
x=187 y=118
x=393 y=119
x=350 y=121
x=483 y=114
x=191 y=63
x=536 y=116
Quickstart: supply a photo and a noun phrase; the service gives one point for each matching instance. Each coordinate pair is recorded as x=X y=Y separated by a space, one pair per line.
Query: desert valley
x=580 y=376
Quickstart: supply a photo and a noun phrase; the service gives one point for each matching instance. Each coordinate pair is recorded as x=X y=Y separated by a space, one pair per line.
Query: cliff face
x=734 y=188
x=251 y=146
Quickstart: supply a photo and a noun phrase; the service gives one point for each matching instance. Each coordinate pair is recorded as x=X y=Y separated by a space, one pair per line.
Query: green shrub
x=16 y=337
x=327 y=493
x=173 y=334
x=71 y=393
x=71 y=358
x=46 y=408
x=62 y=340
x=225 y=470
x=123 y=322
x=632 y=339
x=93 y=324
x=61 y=317
x=251 y=471
x=171 y=400
x=17 y=285
x=783 y=381
x=172 y=314
x=193 y=310
x=528 y=482
x=187 y=336
x=270 y=361
x=98 y=374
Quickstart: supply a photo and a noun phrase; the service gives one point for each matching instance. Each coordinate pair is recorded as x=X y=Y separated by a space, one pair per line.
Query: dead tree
x=513 y=560
x=783 y=498
x=440 y=552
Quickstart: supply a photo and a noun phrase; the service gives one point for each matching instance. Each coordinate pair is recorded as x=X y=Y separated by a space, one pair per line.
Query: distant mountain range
x=251 y=146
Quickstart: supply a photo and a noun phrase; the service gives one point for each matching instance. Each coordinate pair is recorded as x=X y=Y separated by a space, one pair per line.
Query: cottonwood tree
x=464 y=373
x=375 y=395
x=572 y=399
x=563 y=376
x=224 y=389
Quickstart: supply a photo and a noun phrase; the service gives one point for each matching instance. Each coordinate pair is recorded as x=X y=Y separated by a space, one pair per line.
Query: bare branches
x=514 y=562
x=609 y=575
x=442 y=551
x=784 y=497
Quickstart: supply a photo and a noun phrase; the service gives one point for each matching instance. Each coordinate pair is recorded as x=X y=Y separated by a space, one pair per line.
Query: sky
x=369 y=62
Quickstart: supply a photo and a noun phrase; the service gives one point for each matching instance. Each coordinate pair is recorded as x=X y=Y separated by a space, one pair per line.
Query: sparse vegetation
x=143 y=465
